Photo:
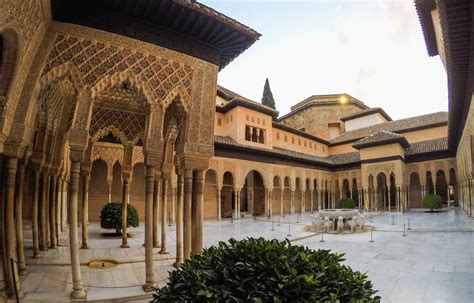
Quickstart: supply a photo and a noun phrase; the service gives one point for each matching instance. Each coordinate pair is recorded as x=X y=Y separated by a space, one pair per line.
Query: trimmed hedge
x=260 y=270
x=433 y=202
x=111 y=216
x=346 y=203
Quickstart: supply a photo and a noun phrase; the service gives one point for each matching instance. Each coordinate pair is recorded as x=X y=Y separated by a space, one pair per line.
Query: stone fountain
x=338 y=220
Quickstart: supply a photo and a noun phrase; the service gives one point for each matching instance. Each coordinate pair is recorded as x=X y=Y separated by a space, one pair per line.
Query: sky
x=371 y=50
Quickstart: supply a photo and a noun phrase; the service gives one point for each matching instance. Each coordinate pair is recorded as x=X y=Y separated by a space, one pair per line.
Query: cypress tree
x=267 y=98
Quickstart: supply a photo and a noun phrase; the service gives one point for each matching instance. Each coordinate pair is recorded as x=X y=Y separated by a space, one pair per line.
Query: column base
x=22 y=271
x=12 y=295
x=79 y=294
x=149 y=287
x=177 y=263
x=53 y=247
x=43 y=248
x=124 y=245
x=37 y=256
x=156 y=245
x=164 y=252
x=85 y=246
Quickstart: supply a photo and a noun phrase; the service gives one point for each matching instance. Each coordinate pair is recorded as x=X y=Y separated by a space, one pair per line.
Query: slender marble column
x=59 y=187
x=219 y=202
x=281 y=201
x=52 y=213
x=303 y=196
x=46 y=210
x=188 y=187
x=78 y=291
x=173 y=206
x=35 y=214
x=312 y=200
x=236 y=205
x=85 y=211
x=3 y=257
x=179 y=221
x=292 y=202
x=11 y=167
x=19 y=217
x=270 y=202
x=156 y=213
x=43 y=231
x=149 y=272
x=65 y=204
x=125 y=201
x=164 y=204
x=198 y=218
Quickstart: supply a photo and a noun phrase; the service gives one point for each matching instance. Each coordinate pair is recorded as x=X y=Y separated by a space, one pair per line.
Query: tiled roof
x=412 y=123
x=227 y=93
x=379 y=138
x=236 y=99
x=366 y=112
x=438 y=144
x=346 y=158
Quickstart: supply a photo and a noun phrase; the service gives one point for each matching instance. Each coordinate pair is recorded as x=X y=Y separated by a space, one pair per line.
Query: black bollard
x=404 y=233
x=289 y=230
x=371 y=236
x=273 y=225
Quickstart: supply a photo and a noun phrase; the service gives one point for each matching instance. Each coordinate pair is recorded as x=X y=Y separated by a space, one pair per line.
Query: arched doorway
x=337 y=193
x=371 y=192
x=316 y=195
x=253 y=194
x=392 y=199
x=346 y=190
x=307 y=196
x=286 y=195
x=415 y=191
x=137 y=187
x=277 y=195
x=298 y=195
x=326 y=195
x=382 y=192
x=454 y=183
x=117 y=182
x=442 y=185
x=210 y=194
x=429 y=189
x=99 y=192
x=355 y=192
x=227 y=196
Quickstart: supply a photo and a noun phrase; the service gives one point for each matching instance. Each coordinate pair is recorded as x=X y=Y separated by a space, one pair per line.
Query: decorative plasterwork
x=110 y=153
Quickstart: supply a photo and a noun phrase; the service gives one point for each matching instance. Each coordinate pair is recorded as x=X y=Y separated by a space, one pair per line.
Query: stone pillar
x=281 y=201
x=198 y=215
x=125 y=202
x=43 y=231
x=156 y=213
x=179 y=220
x=149 y=270
x=270 y=202
x=3 y=255
x=237 y=194
x=19 y=217
x=85 y=210
x=303 y=198
x=11 y=167
x=219 y=202
x=292 y=202
x=35 y=214
x=312 y=200
x=173 y=206
x=164 y=204
x=188 y=191
x=52 y=213
x=58 y=192
x=46 y=210
x=65 y=218
x=389 y=194
x=78 y=291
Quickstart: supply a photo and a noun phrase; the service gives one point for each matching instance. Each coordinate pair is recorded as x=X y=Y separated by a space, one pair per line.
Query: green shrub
x=111 y=216
x=259 y=270
x=433 y=202
x=346 y=203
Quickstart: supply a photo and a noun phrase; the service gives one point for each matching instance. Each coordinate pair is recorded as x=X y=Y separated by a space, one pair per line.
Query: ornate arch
x=66 y=70
x=10 y=55
x=120 y=77
x=177 y=91
x=109 y=129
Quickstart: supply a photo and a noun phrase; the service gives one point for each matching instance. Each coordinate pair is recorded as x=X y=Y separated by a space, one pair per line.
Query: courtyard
x=434 y=262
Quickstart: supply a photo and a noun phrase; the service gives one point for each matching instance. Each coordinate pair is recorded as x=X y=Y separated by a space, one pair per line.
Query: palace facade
x=106 y=101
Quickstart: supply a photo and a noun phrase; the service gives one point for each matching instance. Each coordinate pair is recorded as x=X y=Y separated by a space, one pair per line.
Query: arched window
x=247 y=133
x=219 y=121
x=261 y=138
x=254 y=135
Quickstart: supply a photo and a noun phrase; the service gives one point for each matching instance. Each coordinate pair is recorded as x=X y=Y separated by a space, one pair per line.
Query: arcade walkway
x=433 y=263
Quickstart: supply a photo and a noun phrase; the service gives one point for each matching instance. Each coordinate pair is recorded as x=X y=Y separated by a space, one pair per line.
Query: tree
x=267 y=98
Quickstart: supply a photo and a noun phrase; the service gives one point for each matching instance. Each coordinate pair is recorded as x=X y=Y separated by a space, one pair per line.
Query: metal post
x=371 y=236
x=404 y=233
x=322 y=237
x=273 y=225
x=409 y=224
x=289 y=230
x=393 y=220
x=169 y=219
x=278 y=221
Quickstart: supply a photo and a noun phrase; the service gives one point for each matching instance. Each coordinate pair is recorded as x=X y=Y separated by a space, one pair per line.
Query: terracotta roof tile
x=434 y=119
x=380 y=138
x=366 y=112
x=438 y=144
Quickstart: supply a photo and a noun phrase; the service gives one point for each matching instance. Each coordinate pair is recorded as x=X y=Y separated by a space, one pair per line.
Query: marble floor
x=434 y=262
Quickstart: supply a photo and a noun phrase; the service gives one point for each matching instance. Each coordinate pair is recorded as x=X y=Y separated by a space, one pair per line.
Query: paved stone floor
x=434 y=262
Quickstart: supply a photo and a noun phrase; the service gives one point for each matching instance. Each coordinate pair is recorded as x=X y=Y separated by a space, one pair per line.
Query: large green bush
x=433 y=202
x=346 y=203
x=111 y=216
x=259 y=270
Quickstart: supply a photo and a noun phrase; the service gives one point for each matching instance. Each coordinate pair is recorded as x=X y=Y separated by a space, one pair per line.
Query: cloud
x=402 y=19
